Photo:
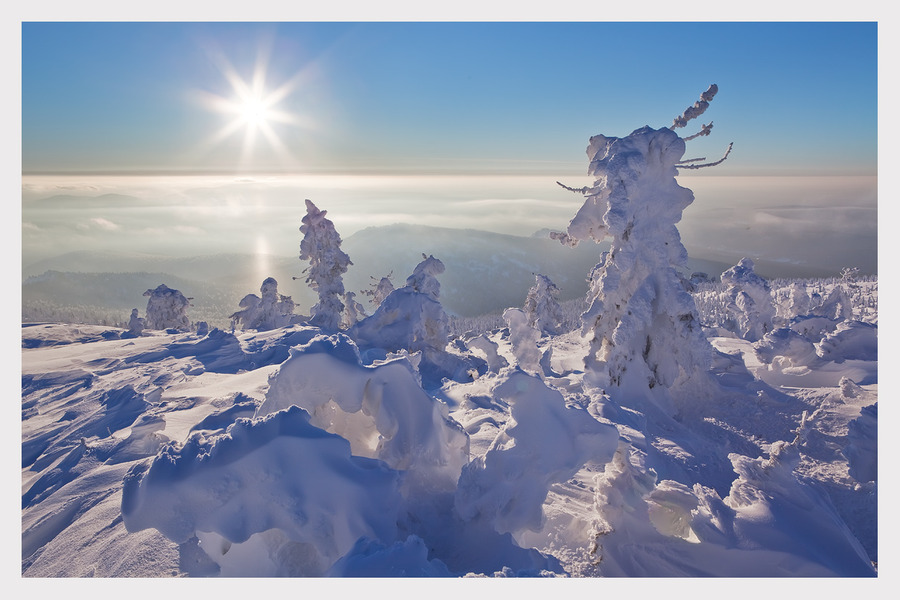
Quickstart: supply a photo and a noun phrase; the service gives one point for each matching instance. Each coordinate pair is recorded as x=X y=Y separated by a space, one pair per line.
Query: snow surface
x=686 y=429
x=284 y=452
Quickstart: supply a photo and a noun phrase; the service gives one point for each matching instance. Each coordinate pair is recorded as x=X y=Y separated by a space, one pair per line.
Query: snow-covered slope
x=173 y=454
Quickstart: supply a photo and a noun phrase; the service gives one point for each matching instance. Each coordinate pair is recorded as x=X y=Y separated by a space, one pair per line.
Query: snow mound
x=862 y=449
x=544 y=442
x=276 y=473
x=770 y=524
x=380 y=409
x=851 y=340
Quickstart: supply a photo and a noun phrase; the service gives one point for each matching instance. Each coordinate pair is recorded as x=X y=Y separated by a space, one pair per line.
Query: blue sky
x=795 y=98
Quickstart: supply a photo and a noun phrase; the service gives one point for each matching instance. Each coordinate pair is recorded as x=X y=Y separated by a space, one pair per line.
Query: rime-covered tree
x=644 y=327
x=353 y=311
x=523 y=338
x=167 y=309
x=321 y=246
x=541 y=306
x=410 y=318
x=135 y=324
x=380 y=289
x=748 y=298
x=270 y=310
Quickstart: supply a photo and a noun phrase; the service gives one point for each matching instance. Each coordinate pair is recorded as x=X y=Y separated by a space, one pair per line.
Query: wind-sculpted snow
x=693 y=428
x=862 y=449
x=380 y=409
x=770 y=524
x=851 y=340
x=544 y=443
x=280 y=473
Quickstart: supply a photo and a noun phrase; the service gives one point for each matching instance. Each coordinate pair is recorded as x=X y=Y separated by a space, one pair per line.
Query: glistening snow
x=687 y=429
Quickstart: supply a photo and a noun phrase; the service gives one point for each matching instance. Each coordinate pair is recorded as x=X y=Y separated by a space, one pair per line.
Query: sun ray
x=251 y=108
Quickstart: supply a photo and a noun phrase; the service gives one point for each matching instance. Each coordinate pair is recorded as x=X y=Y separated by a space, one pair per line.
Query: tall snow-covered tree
x=321 y=246
x=542 y=307
x=644 y=327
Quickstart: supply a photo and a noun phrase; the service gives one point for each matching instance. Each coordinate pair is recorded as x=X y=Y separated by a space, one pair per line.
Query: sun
x=252 y=109
x=254 y=112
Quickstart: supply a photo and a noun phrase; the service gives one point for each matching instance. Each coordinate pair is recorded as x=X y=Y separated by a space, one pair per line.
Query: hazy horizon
x=824 y=222
x=464 y=125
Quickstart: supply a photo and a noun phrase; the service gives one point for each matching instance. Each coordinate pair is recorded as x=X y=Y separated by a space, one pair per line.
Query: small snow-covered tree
x=748 y=298
x=268 y=311
x=135 y=323
x=524 y=339
x=321 y=246
x=644 y=327
x=541 y=306
x=424 y=277
x=410 y=318
x=380 y=290
x=166 y=309
x=353 y=311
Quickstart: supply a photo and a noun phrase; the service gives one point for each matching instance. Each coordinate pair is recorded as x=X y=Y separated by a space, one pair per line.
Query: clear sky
x=439 y=96
x=445 y=122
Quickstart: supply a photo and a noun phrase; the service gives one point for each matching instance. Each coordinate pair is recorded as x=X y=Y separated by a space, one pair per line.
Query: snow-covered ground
x=685 y=427
x=177 y=454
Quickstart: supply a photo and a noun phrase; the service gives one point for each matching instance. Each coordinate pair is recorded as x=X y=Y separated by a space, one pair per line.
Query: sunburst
x=252 y=108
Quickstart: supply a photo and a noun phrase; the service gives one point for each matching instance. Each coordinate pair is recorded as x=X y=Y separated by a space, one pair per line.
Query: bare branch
x=712 y=164
x=583 y=190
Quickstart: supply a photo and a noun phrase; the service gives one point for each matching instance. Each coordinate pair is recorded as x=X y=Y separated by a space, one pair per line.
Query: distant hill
x=485 y=272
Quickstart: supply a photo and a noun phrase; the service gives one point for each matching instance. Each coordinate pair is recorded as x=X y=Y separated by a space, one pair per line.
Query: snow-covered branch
x=581 y=190
x=698 y=108
x=704 y=130
x=684 y=165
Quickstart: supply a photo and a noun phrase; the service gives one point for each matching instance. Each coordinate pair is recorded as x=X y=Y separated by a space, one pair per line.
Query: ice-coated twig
x=690 y=160
x=712 y=164
x=698 y=108
x=582 y=190
x=704 y=130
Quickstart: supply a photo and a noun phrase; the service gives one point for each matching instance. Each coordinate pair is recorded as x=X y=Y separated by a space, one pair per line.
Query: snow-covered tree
x=353 y=311
x=749 y=299
x=410 y=318
x=166 y=309
x=835 y=304
x=541 y=306
x=321 y=246
x=524 y=339
x=794 y=303
x=270 y=310
x=645 y=332
x=380 y=290
x=135 y=323
x=424 y=277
